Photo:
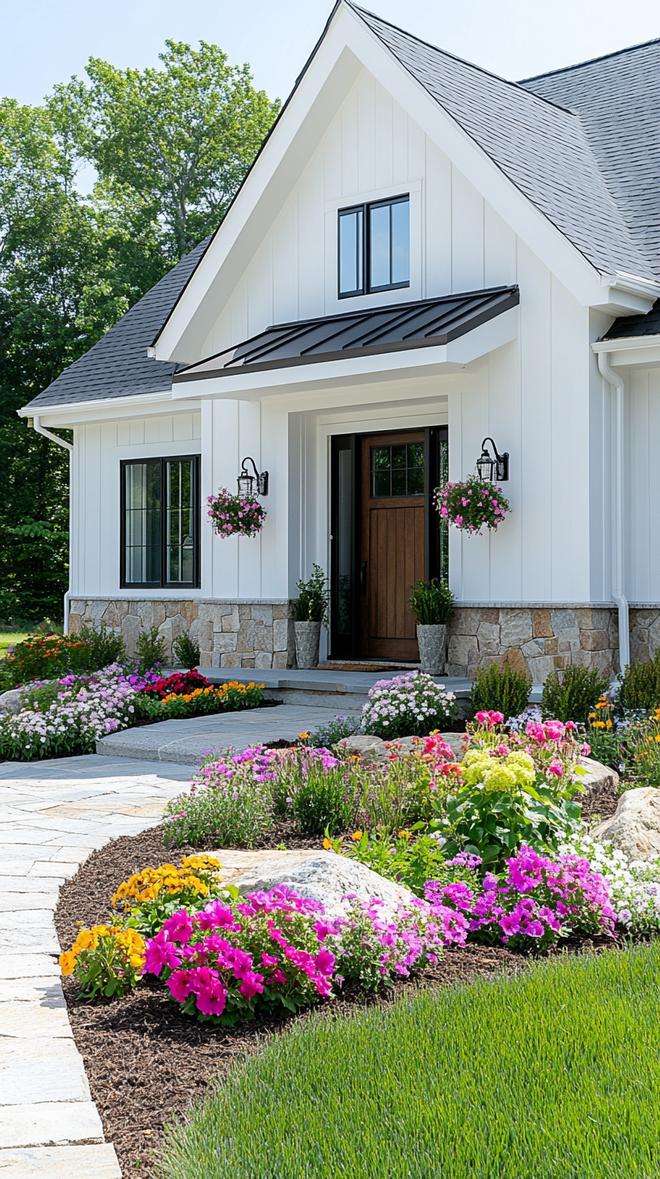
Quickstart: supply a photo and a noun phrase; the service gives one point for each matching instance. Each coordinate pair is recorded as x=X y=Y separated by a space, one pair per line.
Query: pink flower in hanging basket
x=235 y=515
x=472 y=504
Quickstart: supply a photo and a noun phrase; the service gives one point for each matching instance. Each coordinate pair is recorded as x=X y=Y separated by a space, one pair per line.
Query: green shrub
x=100 y=648
x=552 y=1075
x=640 y=685
x=150 y=649
x=325 y=799
x=46 y=656
x=311 y=605
x=186 y=651
x=432 y=602
x=570 y=695
x=335 y=731
x=500 y=688
x=220 y=816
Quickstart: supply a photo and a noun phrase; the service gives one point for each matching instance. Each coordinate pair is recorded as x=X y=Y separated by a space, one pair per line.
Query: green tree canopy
x=168 y=147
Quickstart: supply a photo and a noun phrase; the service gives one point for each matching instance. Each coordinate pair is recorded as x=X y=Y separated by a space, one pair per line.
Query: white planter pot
x=308 y=635
x=432 y=642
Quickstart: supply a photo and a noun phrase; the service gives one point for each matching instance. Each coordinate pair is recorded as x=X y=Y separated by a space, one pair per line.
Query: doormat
x=346 y=665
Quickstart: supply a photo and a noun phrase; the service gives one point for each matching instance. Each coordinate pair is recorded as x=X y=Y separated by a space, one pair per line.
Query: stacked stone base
x=230 y=634
x=536 y=639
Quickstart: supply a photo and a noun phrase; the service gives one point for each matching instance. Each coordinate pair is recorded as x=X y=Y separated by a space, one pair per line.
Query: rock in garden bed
x=635 y=825
x=324 y=876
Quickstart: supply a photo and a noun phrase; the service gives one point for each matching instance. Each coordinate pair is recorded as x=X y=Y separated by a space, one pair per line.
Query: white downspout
x=36 y=425
x=615 y=381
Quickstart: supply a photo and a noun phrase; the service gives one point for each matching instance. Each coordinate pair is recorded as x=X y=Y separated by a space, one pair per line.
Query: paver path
x=52 y=815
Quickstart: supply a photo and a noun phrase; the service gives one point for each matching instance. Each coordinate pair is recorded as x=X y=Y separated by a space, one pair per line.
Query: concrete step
x=322 y=687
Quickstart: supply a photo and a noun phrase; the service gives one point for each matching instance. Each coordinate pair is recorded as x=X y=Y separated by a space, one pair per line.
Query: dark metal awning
x=396 y=328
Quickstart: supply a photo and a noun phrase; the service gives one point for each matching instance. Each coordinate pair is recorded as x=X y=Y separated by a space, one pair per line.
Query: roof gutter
x=616 y=384
x=37 y=426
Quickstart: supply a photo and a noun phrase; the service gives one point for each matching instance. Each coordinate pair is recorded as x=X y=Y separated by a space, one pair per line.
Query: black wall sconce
x=251 y=485
x=494 y=468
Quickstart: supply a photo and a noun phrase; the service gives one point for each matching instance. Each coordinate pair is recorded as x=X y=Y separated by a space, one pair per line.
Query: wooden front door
x=392 y=541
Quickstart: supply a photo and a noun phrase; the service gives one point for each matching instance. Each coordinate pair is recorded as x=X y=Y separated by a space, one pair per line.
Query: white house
x=423 y=254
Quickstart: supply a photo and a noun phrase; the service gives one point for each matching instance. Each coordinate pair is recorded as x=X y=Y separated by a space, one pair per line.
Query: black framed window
x=160 y=513
x=374 y=247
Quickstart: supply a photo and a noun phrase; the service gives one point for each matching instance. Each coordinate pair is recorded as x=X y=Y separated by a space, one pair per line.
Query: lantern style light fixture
x=493 y=468
x=251 y=485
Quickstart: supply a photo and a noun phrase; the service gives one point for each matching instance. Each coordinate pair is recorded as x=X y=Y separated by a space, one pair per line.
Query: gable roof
x=617 y=98
x=118 y=364
x=626 y=327
x=398 y=327
x=540 y=145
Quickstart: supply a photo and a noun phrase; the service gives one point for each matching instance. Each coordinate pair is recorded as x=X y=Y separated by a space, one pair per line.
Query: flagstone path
x=52 y=815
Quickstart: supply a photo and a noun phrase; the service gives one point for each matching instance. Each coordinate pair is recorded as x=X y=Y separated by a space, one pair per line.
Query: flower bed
x=67 y=716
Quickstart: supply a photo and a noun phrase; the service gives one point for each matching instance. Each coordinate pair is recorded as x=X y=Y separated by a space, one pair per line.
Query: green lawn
x=552 y=1075
x=9 y=637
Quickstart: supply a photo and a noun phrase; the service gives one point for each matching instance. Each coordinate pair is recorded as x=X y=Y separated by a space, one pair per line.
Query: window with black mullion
x=374 y=247
x=160 y=522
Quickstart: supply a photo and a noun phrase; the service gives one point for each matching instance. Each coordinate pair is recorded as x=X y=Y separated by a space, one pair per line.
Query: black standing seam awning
x=395 y=328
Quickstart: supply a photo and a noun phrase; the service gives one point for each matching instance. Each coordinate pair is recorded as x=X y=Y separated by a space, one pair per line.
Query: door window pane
x=397 y=470
x=351 y=251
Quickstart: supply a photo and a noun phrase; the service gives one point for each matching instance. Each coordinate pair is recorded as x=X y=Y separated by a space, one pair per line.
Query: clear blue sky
x=45 y=41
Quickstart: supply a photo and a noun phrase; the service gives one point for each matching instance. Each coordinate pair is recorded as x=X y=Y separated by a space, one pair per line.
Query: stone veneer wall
x=538 y=638
x=230 y=634
x=255 y=634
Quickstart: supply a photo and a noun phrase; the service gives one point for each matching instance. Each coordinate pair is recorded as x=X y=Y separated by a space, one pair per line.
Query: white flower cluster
x=634 y=884
x=413 y=700
x=86 y=708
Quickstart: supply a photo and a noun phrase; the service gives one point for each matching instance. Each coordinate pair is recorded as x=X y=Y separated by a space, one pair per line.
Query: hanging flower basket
x=235 y=515
x=472 y=504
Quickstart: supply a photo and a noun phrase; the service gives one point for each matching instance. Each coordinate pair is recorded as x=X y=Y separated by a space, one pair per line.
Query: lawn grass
x=8 y=638
x=554 y=1074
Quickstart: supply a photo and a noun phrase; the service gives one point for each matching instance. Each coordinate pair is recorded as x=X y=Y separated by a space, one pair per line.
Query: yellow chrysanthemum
x=67 y=963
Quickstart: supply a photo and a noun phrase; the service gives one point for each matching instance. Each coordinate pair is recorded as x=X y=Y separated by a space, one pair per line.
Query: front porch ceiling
x=446 y=333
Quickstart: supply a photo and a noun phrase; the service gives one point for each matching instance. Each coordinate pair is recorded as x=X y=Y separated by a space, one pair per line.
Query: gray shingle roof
x=118 y=365
x=636 y=325
x=544 y=149
x=618 y=101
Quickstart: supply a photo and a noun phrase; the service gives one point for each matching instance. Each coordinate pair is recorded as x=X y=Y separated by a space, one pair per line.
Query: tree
x=170 y=147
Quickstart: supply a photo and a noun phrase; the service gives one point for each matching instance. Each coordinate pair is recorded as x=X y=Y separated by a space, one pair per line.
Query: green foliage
x=500 y=688
x=170 y=147
x=220 y=816
x=311 y=605
x=432 y=602
x=494 y=823
x=329 y=735
x=186 y=651
x=571 y=694
x=47 y=656
x=522 y=1058
x=150 y=649
x=202 y=702
x=402 y=857
x=325 y=800
x=640 y=685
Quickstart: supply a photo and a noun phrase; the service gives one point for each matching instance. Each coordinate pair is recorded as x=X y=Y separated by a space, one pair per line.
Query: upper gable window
x=374 y=247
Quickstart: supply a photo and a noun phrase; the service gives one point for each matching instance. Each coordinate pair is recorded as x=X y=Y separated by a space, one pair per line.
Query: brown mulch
x=145 y=1061
x=599 y=802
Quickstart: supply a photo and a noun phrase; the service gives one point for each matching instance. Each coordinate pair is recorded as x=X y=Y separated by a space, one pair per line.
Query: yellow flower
x=67 y=963
x=599 y=724
x=303 y=736
x=403 y=834
x=356 y=836
x=327 y=843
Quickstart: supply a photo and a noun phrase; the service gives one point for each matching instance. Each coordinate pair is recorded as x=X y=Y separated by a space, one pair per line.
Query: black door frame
x=346 y=646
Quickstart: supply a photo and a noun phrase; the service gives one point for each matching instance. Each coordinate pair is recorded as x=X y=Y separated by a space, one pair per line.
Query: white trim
x=110 y=409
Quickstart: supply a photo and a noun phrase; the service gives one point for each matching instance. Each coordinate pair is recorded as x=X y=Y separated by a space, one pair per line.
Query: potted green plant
x=310 y=613
x=432 y=603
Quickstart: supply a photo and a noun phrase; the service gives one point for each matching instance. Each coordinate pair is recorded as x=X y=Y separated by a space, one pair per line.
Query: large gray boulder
x=323 y=876
x=635 y=825
x=11 y=701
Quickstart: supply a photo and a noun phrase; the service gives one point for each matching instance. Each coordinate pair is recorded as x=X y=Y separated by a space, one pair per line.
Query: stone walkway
x=52 y=815
x=186 y=741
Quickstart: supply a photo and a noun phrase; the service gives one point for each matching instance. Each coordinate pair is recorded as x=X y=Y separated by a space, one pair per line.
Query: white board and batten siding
x=532 y=395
